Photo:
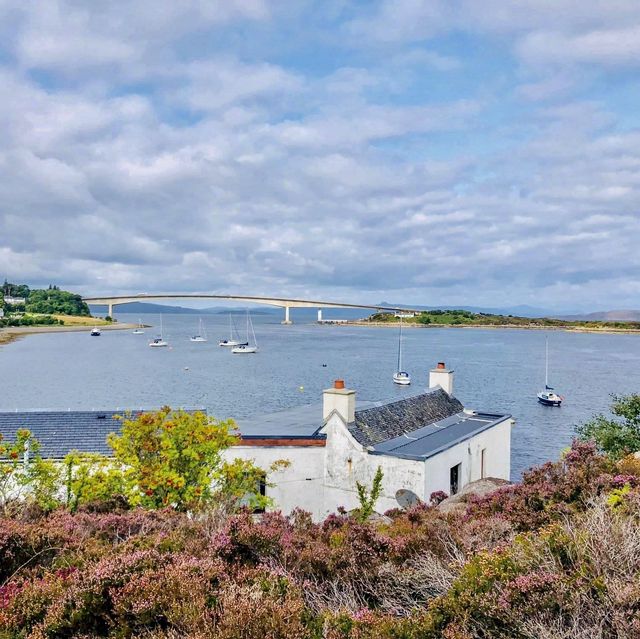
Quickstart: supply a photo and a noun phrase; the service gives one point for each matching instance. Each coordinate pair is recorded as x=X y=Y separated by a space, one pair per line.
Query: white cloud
x=617 y=47
x=176 y=154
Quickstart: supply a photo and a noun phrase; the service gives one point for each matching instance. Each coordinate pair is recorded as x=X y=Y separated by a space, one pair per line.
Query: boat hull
x=198 y=339
x=230 y=343
x=244 y=349
x=158 y=344
x=402 y=380
x=550 y=401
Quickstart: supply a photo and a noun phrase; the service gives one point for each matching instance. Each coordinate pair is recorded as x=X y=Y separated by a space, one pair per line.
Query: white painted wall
x=300 y=485
x=347 y=462
x=496 y=441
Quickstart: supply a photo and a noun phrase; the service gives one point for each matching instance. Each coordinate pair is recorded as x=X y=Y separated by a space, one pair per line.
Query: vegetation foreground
x=554 y=556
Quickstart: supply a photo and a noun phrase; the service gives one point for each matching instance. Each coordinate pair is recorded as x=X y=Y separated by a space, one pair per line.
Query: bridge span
x=113 y=300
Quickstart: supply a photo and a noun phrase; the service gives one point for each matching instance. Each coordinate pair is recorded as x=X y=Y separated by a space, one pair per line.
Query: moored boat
x=548 y=396
x=247 y=347
x=400 y=377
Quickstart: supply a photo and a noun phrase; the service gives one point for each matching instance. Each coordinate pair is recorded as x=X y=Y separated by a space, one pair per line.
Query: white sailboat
x=401 y=377
x=548 y=396
x=159 y=342
x=140 y=329
x=247 y=347
x=201 y=335
x=231 y=341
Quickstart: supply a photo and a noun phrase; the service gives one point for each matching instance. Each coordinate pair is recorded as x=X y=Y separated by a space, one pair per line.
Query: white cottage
x=424 y=442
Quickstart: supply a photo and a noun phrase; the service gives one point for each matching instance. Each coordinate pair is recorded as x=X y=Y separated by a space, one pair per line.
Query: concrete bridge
x=282 y=302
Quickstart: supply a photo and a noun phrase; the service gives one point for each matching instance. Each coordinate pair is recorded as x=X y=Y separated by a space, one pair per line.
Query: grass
x=81 y=320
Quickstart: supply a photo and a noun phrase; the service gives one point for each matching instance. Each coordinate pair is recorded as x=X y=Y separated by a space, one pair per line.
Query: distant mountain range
x=522 y=310
x=150 y=308
x=606 y=316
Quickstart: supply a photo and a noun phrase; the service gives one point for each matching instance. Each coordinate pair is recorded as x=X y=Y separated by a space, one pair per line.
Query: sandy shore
x=526 y=327
x=11 y=333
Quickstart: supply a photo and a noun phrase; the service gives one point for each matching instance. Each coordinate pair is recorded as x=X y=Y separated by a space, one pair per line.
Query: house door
x=454 y=479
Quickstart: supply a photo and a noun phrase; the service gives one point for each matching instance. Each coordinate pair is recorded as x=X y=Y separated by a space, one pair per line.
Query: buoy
x=301 y=388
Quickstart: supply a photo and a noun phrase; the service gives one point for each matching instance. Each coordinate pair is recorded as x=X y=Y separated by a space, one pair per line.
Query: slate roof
x=62 y=431
x=434 y=438
x=385 y=421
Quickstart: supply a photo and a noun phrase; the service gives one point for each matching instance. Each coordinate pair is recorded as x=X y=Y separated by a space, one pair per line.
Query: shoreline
x=525 y=327
x=12 y=333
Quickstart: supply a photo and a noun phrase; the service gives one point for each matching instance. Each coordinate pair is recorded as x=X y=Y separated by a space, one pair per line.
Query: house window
x=483 y=463
x=454 y=479
x=262 y=491
x=250 y=497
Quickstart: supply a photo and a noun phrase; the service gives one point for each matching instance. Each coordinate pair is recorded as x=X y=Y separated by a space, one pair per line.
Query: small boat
x=401 y=377
x=140 y=329
x=231 y=341
x=159 y=342
x=201 y=335
x=548 y=396
x=247 y=347
x=95 y=332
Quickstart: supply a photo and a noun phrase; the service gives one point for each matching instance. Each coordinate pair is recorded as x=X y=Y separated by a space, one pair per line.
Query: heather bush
x=555 y=556
x=551 y=491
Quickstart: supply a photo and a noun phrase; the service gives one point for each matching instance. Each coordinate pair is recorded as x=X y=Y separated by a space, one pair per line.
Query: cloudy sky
x=432 y=152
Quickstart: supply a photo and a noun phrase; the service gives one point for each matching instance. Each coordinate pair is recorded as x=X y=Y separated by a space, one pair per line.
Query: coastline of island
x=12 y=333
x=528 y=327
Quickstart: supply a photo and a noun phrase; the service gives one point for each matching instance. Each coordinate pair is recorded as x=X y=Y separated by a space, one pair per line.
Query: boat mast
x=546 y=362
x=400 y=347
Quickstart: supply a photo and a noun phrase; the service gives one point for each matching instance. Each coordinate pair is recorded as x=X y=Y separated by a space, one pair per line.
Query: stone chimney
x=440 y=376
x=341 y=400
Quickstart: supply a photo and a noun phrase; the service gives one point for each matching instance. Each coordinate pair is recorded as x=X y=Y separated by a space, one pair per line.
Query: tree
x=616 y=437
x=173 y=458
x=368 y=498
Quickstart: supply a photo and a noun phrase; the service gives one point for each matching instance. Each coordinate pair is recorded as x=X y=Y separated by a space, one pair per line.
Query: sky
x=436 y=152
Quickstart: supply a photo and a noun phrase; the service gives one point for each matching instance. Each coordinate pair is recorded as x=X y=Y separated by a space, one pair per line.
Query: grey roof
x=432 y=439
x=302 y=421
x=62 y=431
x=380 y=422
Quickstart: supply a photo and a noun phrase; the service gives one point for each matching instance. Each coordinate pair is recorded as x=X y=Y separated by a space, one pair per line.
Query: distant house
x=15 y=301
x=424 y=441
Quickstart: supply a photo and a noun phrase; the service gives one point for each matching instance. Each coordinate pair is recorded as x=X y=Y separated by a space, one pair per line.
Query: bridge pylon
x=287 y=319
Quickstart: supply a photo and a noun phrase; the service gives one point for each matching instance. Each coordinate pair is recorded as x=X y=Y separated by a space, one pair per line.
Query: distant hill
x=150 y=308
x=607 y=316
x=146 y=307
x=522 y=310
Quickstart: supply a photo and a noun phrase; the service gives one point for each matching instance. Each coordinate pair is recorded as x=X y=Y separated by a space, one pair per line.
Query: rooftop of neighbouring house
x=60 y=432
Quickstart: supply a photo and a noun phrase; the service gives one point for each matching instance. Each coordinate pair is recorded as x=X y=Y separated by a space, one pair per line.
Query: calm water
x=495 y=370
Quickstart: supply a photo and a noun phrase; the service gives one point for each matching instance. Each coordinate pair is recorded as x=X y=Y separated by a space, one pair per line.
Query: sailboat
x=140 y=329
x=231 y=341
x=247 y=347
x=401 y=377
x=548 y=397
x=158 y=342
x=201 y=335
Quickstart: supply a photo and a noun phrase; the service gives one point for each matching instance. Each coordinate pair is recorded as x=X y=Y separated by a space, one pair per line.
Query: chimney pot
x=338 y=383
